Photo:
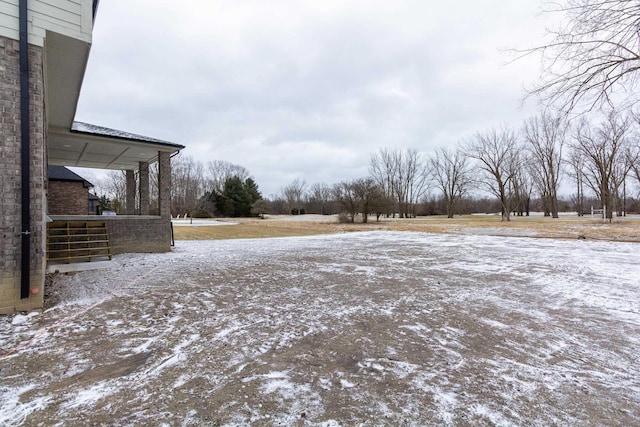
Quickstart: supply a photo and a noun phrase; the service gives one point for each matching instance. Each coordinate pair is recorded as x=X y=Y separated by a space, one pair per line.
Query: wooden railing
x=69 y=241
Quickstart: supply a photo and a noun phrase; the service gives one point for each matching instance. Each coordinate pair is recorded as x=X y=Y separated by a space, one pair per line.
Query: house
x=94 y=204
x=68 y=193
x=44 y=49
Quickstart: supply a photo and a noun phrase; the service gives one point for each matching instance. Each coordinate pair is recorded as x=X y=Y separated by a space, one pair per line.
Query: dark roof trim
x=95 y=9
x=89 y=129
x=60 y=173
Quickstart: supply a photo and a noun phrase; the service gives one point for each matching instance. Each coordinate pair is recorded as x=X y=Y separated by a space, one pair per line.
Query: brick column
x=130 y=202
x=10 y=184
x=143 y=172
x=164 y=184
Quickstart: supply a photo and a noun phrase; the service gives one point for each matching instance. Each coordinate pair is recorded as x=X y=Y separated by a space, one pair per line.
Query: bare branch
x=593 y=59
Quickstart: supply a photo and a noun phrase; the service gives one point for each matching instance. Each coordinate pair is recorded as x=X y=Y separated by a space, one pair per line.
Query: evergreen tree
x=236 y=198
x=251 y=188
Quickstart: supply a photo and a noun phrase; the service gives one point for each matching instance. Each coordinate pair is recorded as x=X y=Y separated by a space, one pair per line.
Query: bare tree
x=402 y=175
x=113 y=186
x=575 y=161
x=635 y=167
x=293 y=194
x=545 y=137
x=634 y=156
x=522 y=185
x=497 y=158
x=259 y=208
x=604 y=151
x=593 y=57
x=100 y=184
x=622 y=170
x=383 y=168
x=450 y=170
x=368 y=195
x=153 y=189
x=187 y=183
x=275 y=204
x=220 y=171
x=319 y=198
x=413 y=180
x=345 y=195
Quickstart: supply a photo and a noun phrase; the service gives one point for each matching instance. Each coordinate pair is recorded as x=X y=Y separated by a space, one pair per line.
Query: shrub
x=199 y=213
x=343 y=218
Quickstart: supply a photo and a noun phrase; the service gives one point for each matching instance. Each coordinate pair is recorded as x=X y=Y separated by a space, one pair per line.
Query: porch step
x=73 y=241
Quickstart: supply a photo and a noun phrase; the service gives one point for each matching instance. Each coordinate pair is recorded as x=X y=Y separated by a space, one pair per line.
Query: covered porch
x=90 y=146
x=77 y=144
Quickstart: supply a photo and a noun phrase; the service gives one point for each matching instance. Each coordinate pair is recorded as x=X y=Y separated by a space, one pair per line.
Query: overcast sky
x=309 y=89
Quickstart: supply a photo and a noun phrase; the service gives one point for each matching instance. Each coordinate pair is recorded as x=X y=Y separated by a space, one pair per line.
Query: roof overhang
x=77 y=144
x=90 y=146
x=65 y=64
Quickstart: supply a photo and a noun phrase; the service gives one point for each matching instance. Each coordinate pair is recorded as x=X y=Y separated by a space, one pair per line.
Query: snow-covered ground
x=378 y=328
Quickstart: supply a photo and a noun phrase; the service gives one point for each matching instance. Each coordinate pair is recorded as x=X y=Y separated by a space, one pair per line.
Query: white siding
x=9 y=19
x=72 y=18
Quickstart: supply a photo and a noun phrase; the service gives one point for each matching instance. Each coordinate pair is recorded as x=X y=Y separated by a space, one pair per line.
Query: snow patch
x=21 y=319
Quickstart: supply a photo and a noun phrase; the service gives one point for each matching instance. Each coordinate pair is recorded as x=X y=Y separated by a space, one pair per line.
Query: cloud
x=306 y=89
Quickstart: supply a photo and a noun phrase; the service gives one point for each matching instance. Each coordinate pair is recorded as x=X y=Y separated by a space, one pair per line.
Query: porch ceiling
x=92 y=146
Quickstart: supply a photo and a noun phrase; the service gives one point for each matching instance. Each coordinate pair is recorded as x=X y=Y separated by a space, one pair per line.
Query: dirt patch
x=376 y=328
x=52 y=295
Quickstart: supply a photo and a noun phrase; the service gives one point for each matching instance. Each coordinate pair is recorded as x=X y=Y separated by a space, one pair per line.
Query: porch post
x=164 y=184
x=143 y=169
x=130 y=201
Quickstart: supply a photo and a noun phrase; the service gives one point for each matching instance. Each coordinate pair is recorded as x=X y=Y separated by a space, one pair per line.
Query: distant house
x=94 y=204
x=68 y=193
x=44 y=49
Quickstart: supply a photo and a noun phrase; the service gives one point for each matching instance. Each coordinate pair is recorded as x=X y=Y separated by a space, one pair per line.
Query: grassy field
x=566 y=227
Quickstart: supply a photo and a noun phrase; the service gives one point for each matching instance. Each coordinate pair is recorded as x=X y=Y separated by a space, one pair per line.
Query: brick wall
x=67 y=198
x=10 y=177
x=132 y=234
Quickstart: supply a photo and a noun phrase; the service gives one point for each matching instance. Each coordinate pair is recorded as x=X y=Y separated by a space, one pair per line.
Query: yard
x=374 y=328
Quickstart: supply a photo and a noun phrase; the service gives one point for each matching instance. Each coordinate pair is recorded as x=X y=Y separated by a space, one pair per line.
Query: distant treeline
x=506 y=171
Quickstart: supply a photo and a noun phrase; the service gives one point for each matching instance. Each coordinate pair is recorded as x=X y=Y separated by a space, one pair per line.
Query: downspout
x=25 y=122
x=95 y=9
